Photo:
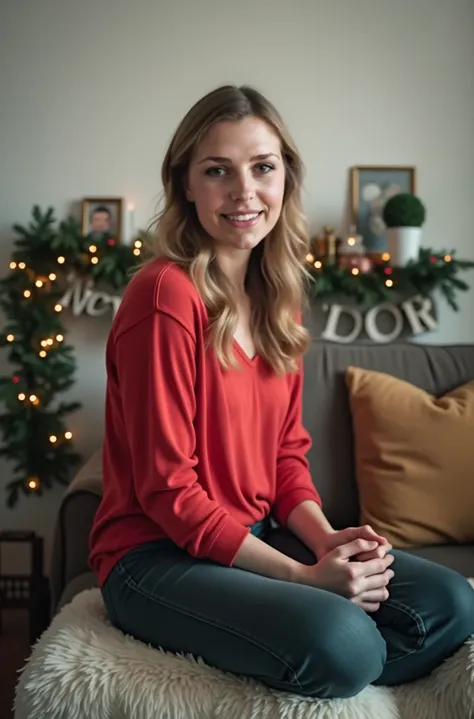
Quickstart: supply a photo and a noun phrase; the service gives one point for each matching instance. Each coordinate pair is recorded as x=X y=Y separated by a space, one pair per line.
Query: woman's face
x=236 y=180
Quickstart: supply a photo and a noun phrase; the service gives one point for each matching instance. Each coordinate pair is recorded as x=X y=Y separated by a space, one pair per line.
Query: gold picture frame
x=103 y=215
x=370 y=187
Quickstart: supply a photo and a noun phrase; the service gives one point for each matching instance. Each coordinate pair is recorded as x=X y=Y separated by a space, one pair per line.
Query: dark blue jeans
x=289 y=636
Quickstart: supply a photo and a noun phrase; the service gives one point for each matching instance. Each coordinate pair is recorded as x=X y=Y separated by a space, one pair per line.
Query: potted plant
x=404 y=215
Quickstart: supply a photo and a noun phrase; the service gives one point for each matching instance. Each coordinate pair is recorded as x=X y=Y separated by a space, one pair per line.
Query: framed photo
x=102 y=216
x=371 y=187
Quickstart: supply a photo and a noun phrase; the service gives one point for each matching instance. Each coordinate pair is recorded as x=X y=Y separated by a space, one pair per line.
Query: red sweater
x=192 y=452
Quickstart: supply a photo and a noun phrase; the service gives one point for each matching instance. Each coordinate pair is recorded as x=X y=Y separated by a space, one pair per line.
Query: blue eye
x=265 y=168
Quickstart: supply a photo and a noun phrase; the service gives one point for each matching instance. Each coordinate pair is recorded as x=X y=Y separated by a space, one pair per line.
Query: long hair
x=276 y=273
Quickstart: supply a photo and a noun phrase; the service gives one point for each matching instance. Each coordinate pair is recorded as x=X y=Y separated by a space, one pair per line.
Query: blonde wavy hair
x=276 y=272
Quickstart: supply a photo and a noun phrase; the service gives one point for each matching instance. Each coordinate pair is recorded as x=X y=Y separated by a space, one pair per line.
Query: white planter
x=403 y=244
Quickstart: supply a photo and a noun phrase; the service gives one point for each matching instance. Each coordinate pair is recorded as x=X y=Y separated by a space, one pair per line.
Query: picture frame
x=103 y=216
x=370 y=188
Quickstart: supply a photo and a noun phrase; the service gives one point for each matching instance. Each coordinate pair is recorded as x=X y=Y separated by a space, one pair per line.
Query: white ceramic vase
x=403 y=244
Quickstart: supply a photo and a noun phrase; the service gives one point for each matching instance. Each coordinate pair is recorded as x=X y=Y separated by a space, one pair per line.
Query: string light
x=52 y=276
x=385 y=257
x=33 y=483
x=310 y=258
x=10 y=338
x=53 y=439
x=92 y=248
x=136 y=251
x=355 y=270
x=50 y=342
x=61 y=260
x=39 y=283
x=318 y=264
x=43 y=353
x=351 y=241
x=389 y=283
x=94 y=260
x=68 y=435
x=138 y=244
x=58 y=307
x=27 y=293
x=447 y=258
x=21 y=265
x=32 y=398
x=13 y=265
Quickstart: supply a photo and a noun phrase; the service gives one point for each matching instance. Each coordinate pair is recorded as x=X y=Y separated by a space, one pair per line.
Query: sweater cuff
x=286 y=505
x=227 y=542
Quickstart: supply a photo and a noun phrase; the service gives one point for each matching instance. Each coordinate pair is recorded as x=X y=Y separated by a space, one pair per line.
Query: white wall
x=92 y=90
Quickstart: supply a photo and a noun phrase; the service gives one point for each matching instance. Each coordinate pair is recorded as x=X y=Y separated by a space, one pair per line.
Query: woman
x=204 y=443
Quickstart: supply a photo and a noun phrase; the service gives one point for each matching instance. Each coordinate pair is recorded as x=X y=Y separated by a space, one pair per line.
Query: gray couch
x=327 y=418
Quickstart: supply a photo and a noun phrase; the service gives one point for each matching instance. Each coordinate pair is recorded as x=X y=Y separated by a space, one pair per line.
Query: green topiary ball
x=404 y=210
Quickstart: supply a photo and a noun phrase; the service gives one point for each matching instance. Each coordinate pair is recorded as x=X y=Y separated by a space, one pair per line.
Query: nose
x=243 y=188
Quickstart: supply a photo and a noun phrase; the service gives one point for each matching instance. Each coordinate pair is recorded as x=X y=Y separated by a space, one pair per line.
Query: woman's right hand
x=363 y=583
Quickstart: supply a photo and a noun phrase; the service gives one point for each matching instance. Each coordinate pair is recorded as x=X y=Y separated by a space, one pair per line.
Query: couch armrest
x=70 y=551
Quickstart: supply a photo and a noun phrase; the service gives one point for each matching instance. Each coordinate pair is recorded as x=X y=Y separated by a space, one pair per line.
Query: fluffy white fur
x=83 y=668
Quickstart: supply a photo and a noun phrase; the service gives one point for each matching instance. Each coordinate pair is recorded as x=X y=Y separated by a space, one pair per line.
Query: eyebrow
x=255 y=158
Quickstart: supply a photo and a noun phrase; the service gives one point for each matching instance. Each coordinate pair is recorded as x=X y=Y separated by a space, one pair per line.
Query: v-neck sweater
x=192 y=452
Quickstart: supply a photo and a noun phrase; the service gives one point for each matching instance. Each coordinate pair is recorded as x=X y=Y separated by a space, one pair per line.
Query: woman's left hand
x=335 y=539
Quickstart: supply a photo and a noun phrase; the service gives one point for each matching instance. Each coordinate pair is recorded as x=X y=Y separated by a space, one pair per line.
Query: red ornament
x=111 y=241
x=433 y=260
x=388 y=270
x=15 y=379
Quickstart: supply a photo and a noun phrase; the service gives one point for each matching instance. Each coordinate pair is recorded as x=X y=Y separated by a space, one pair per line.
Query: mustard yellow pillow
x=414 y=458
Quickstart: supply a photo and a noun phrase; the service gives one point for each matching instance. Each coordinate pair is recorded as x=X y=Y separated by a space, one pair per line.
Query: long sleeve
x=294 y=484
x=156 y=372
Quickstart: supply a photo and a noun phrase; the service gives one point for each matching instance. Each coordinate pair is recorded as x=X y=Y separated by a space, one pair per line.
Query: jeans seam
x=418 y=621
x=130 y=581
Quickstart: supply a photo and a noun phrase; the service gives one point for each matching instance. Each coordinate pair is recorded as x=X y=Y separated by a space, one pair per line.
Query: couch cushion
x=326 y=411
x=414 y=459
x=459 y=557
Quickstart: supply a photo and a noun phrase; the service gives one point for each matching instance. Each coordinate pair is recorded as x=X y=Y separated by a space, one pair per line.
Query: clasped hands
x=355 y=563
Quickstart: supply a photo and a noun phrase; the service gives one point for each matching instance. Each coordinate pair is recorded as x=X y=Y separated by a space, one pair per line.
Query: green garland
x=432 y=271
x=33 y=426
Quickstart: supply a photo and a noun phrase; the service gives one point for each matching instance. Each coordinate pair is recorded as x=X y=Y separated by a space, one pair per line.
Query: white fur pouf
x=84 y=668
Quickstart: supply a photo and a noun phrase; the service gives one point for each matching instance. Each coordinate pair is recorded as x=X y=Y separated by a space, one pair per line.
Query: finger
x=366 y=606
x=359 y=585
x=378 y=553
x=370 y=607
x=375 y=595
x=356 y=546
x=375 y=566
x=377 y=582
x=366 y=532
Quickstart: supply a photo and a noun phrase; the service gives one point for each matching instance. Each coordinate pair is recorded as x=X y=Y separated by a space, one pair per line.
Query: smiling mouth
x=241 y=217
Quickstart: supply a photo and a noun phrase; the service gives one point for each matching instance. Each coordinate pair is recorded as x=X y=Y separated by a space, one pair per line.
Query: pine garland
x=33 y=426
x=47 y=255
x=432 y=271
